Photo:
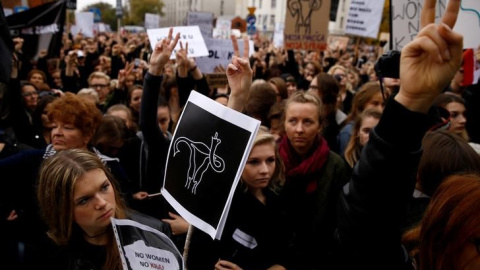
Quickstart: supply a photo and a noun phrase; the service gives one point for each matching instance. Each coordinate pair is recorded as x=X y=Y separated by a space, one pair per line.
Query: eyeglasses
x=98 y=85
x=313 y=87
x=27 y=94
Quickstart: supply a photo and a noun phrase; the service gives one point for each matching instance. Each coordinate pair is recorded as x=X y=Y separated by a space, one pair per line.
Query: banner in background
x=84 y=24
x=190 y=34
x=204 y=20
x=406 y=21
x=306 y=24
x=364 y=17
x=220 y=53
x=40 y=27
x=152 y=21
x=206 y=158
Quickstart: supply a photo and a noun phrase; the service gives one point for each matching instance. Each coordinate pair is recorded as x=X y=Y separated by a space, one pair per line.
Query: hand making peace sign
x=239 y=75
x=429 y=62
x=161 y=53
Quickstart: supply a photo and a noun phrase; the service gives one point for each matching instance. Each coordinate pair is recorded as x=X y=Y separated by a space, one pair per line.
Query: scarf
x=296 y=166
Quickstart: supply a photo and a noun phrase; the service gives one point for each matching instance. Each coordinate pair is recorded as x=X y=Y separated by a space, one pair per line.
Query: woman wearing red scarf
x=314 y=178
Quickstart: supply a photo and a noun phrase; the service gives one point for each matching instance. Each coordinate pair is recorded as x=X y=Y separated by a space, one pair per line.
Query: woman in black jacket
x=374 y=203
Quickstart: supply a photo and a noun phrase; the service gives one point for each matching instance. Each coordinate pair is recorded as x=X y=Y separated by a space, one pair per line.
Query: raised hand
x=182 y=61
x=161 y=53
x=430 y=61
x=239 y=75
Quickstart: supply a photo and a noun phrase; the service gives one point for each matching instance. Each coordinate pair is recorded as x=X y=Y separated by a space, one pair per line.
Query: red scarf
x=296 y=166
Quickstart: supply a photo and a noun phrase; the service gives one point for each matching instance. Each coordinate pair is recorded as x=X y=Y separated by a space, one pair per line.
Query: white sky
x=83 y=3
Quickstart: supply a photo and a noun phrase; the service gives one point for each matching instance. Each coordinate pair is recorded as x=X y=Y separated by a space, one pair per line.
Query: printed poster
x=306 y=24
x=205 y=161
x=142 y=247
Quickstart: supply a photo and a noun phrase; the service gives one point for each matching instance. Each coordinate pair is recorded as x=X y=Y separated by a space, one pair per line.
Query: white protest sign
x=220 y=52
x=204 y=20
x=190 y=34
x=206 y=158
x=152 y=21
x=406 y=21
x=364 y=17
x=84 y=24
x=144 y=247
x=278 y=35
x=468 y=23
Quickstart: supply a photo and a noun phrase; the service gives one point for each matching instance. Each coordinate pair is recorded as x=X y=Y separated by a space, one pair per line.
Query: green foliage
x=138 y=8
x=107 y=12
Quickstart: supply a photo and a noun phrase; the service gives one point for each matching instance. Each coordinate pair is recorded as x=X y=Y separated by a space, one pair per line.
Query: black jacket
x=374 y=203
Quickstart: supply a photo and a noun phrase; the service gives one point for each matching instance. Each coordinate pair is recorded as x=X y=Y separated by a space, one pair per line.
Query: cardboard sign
x=206 y=158
x=190 y=34
x=306 y=24
x=220 y=53
x=406 y=21
x=364 y=17
x=216 y=80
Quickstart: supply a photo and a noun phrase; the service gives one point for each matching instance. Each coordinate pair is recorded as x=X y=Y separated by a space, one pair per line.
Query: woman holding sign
x=77 y=196
x=256 y=236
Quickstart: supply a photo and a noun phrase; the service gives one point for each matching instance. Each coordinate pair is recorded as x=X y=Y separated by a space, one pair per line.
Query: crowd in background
x=115 y=96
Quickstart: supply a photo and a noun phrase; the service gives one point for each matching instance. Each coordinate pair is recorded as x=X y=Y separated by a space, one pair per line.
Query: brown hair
x=57 y=178
x=352 y=151
x=37 y=71
x=361 y=99
x=259 y=101
x=434 y=166
x=328 y=90
x=80 y=112
x=450 y=220
x=281 y=86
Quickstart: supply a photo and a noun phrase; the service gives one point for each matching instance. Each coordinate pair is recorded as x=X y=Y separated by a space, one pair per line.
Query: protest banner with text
x=364 y=17
x=306 y=24
x=190 y=34
x=406 y=21
x=40 y=27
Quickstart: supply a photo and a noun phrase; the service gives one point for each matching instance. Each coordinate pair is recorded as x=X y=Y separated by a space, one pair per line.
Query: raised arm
x=239 y=75
x=373 y=204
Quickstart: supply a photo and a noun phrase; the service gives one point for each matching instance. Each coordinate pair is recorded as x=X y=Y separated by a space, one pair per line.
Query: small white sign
x=364 y=17
x=84 y=24
x=220 y=52
x=190 y=34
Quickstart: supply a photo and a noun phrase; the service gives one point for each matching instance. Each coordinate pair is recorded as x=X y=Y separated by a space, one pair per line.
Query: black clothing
x=374 y=203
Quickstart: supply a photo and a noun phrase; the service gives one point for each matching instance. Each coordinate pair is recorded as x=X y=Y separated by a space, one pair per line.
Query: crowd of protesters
x=336 y=174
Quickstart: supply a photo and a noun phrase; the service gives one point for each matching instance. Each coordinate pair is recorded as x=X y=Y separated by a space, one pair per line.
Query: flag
x=41 y=28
